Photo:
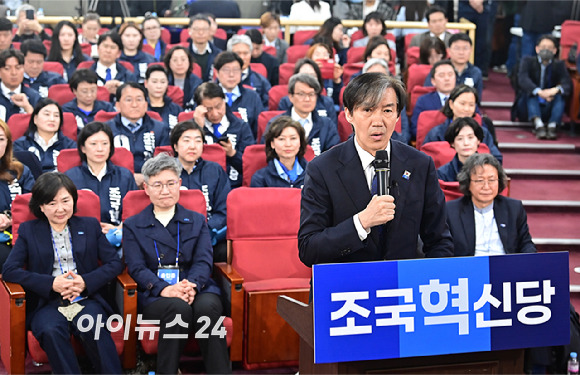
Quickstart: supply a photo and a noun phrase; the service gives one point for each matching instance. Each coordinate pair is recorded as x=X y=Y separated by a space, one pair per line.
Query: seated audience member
x=463 y=135
x=35 y=76
x=431 y=50
x=221 y=126
x=5 y=33
x=321 y=53
x=321 y=132
x=152 y=36
x=167 y=228
x=228 y=71
x=65 y=48
x=462 y=102
x=259 y=56
x=484 y=222
x=285 y=148
x=332 y=32
x=444 y=78
x=308 y=10
x=359 y=10
x=459 y=51
x=179 y=64
x=132 y=39
x=109 y=181
x=218 y=42
x=373 y=25
x=83 y=83
x=324 y=104
x=410 y=11
x=60 y=282
x=16 y=97
x=44 y=136
x=241 y=45
x=204 y=51
x=28 y=28
x=545 y=82
x=111 y=73
x=377 y=48
x=134 y=129
x=187 y=141
x=89 y=32
x=270 y=23
x=156 y=83
x=437 y=22
x=15 y=179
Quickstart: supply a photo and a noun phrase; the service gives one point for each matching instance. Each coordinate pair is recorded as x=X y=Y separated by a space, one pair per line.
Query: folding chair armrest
x=126 y=296
x=12 y=327
x=230 y=281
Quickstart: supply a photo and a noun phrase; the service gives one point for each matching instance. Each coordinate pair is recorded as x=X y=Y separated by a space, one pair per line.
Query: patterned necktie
x=303 y=121
x=11 y=94
x=133 y=126
x=108 y=75
x=216 y=131
x=230 y=97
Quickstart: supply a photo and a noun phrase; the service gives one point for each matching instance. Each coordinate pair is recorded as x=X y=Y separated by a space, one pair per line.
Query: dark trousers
x=214 y=349
x=53 y=331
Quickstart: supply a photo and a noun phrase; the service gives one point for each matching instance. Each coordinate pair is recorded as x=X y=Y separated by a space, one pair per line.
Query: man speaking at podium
x=342 y=218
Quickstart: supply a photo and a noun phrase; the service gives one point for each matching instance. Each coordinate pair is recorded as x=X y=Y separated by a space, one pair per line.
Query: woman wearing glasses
x=168 y=252
x=484 y=222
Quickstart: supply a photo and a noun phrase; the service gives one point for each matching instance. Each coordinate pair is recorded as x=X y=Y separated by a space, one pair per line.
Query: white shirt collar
x=366 y=160
x=6 y=91
x=101 y=174
x=224 y=124
x=206 y=49
x=307 y=127
x=101 y=70
x=42 y=143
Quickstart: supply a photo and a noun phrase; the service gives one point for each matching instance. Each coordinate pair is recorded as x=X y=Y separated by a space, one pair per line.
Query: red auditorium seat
x=296 y=52
x=53 y=66
x=18 y=125
x=286 y=71
x=263 y=119
x=442 y=152
x=276 y=94
x=62 y=93
x=70 y=158
x=213 y=152
x=260 y=69
x=302 y=36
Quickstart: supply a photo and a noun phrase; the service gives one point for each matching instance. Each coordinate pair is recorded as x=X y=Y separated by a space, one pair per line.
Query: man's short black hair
x=208 y=90
x=33 y=46
x=549 y=37
x=82 y=75
x=113 y=37
x=368 y=89
x=255 y=36
x=8 y=53
x=5 y=24
x=434 y=9
x=134 y=85
x=226 y=57
x=459 y=36
x=198 y=17
x=438 y=64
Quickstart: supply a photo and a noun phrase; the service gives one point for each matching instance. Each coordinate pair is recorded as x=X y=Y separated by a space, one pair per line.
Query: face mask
x=546 y=55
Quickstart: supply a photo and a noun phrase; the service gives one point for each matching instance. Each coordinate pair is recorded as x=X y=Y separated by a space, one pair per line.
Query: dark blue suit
x=449 y=171
x=510 y=217
x=335 y=189
x=191 y=83
x=123 y=74
x=471 y=76
x=47 y=158
x=260 y=85
x=7 y=108
x=44 y=80
x=81 y=117
x=249 y=106
x=97 y=263
x=427 y=102
x=269 y=177
x=140 y=63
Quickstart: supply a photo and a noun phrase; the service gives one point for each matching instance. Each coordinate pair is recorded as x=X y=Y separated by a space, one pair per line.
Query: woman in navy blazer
x=164 y=240
x=501 y=226
x=285 y=148
x=59 y=259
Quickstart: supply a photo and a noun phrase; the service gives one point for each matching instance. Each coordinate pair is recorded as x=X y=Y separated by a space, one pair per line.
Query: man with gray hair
x=321 y=132
x=242 y=46
x=202 y=49
x=28 y=28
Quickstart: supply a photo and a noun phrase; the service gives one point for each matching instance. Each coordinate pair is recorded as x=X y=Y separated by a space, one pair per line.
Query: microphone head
x=381 y=159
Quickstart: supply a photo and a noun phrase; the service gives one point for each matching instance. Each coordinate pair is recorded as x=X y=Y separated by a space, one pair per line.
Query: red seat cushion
x=277 y=284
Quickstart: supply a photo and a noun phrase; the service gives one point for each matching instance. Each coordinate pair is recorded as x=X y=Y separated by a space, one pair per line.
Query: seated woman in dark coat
x=63 y=262
x=285 y=147
x=463 y=135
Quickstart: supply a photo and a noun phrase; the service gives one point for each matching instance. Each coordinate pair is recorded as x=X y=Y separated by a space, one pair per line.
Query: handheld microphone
x=382 y=171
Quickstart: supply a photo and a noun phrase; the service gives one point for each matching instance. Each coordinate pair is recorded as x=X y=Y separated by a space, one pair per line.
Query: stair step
x=497 y=104
x=550 y=203
x=501 y=123
x=571 y=173
x=557 y=241
x=537 y=146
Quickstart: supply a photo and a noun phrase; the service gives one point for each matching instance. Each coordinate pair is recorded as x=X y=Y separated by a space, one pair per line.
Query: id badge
x=169 y=274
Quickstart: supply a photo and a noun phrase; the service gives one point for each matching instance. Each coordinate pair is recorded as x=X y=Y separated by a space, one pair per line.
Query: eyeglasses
x=491 y=181
x=230 y=71
x=158 y=186
x=304 y=95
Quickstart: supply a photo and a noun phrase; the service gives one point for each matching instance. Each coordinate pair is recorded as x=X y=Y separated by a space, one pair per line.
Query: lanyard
x=56 y=250
x=157 y=251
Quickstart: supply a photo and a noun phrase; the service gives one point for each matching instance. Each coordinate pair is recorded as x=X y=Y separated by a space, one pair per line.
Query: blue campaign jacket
x=438 y=134
x=142 y=143
x=189 y=87
x=269 y=177
x=168 y=112
x=111 y=189
x=31 y=260
x=7 y=109
x=47 y=158
x=8 y=191
x=249 y=106
x=324 y=106
x=471 y=76
x=81 y=117
x=207 y=72
x=322 y=137
x=123 y=74
x=260 y=85
x=44 y=80
x=142 y=231
x=71 y=66
x=211 y=179
x=448 y=172
x=140 y=62
x=240 y=135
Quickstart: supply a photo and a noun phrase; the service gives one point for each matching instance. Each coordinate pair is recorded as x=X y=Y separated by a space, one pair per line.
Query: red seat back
x=302 y=36
x=350 y=70
x=412 y=56
x=184 y=35
x=135 y=201
x=416 y=75
x=176 y=94
x=107 y=116
x=442 y=152
x=221 y=34
x=450 y=190
x=570 y=35
x=87 y=48
x=53 y=66
x=70 y=158
x=165 y=35
x=428 y=120
x=148 y=49
x=276 y=94
x=62 y=93
x=416 y=93
x=263 y=119
x=355 y=54
x=263 y=229
x=18 y=125
x=260 y=69
x=213 y=152
x=408 y=39
x=296 y=52
x=270 y=50
x=344 y=127
x=356 y=36
x=286 y=71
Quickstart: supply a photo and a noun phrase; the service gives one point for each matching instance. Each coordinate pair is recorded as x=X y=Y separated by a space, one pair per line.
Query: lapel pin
x=502 y=225
x=186 y=219
x=81 y=232
x=406 y=175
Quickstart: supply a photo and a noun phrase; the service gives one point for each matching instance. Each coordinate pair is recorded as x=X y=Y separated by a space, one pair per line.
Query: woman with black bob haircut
x=179 y=64
x=285 y=147
x=64 y=263
x=98 y=174
x=463 y=135
x=44 y=136
x=65 y=48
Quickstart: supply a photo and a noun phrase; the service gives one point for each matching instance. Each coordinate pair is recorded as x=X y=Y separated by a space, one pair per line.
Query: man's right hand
x=199 y=115
x=380 y=210
x=112 y=85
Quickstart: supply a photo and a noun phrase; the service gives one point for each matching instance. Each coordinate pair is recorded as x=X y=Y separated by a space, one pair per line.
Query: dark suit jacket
x=335 y=189
x=530 y=73
x=509 y=215
x=418 y=39
x=34 y=251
